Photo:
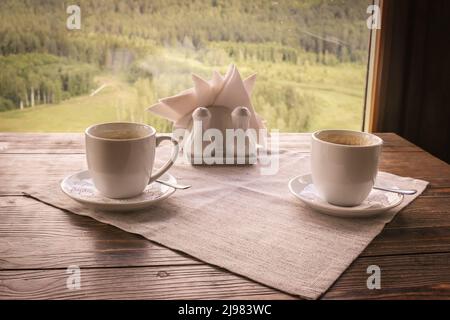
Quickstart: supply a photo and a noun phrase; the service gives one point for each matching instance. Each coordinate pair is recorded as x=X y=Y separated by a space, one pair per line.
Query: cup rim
x=378 y=142
x=152 y=131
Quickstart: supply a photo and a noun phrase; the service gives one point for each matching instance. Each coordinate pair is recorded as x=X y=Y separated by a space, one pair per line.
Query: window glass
x=64 y=68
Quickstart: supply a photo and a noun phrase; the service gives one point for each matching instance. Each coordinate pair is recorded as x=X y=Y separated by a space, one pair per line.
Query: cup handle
x=172 y=159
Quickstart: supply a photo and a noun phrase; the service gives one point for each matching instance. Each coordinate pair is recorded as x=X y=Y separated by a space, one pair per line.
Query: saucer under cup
x=80 y=187
x=376 y=203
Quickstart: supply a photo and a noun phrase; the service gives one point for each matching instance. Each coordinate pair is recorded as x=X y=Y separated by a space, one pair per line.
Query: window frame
x=377 y=44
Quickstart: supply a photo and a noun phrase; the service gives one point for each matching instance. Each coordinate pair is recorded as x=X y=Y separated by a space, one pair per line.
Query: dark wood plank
x=419 y=165
x=409 y=241
x=423 y=276
x=165 y=282
x=422 y=227
x=405 y=276
x=68 y=143
x=436 y=192
x=35 y=235
x=424 y=212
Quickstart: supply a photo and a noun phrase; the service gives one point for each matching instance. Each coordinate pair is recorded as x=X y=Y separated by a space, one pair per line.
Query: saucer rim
x=119 y=206
x=341 y=211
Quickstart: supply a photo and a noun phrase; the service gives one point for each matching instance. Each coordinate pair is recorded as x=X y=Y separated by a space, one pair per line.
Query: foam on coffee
x=346 y=139
x=120 y=134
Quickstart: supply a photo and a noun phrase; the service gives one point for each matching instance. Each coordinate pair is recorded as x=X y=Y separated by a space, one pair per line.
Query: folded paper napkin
x=244 y=221
x=228 y=91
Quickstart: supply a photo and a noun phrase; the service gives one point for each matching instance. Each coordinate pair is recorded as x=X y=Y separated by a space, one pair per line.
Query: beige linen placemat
x=248 y=223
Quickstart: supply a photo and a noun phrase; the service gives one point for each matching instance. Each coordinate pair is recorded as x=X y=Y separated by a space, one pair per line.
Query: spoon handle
x=402 y=191
x=173 y=185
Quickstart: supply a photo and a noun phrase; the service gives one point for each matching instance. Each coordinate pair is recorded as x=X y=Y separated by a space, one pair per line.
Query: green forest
x=310 y=57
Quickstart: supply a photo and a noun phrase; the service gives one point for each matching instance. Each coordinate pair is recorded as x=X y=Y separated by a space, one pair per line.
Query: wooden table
x=38 y=242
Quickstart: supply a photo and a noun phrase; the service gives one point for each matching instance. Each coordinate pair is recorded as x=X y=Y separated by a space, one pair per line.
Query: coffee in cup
x=120 y=157
x=344 y=165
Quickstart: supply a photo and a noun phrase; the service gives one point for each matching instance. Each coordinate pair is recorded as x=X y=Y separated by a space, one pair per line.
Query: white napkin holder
x=215 y=121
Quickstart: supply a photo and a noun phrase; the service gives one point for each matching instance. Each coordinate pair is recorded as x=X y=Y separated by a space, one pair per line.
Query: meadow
x=292 y=98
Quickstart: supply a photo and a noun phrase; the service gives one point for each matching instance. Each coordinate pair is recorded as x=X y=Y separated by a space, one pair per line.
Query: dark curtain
x=414 y=96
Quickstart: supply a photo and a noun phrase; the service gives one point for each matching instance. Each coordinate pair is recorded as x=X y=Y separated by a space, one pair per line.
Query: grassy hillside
x=290 y=97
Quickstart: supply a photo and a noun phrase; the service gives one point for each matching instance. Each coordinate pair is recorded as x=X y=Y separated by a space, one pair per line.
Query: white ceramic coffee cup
x=122 y=167
x=344 y=173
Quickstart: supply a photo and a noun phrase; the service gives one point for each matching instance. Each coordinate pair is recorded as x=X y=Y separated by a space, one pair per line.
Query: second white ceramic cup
x=344 y=174
x=122 y=167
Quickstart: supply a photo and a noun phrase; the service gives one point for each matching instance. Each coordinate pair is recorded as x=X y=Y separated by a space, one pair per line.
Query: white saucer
x=377 y=202
x=80 y=187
